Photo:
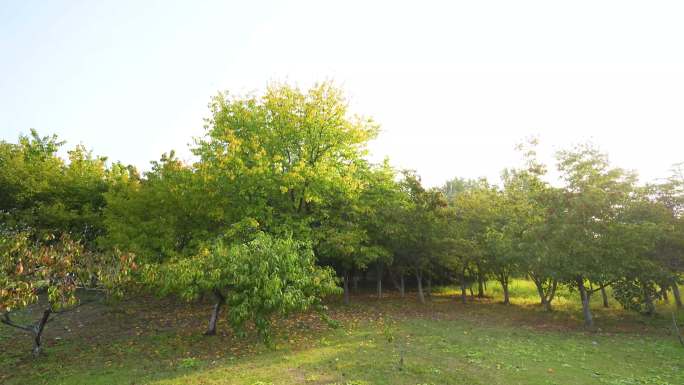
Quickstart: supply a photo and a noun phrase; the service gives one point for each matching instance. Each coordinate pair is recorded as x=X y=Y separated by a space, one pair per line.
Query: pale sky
x=454 y=85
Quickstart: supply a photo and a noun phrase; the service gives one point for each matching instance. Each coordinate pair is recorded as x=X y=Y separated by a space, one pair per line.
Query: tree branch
x=7 y=321
x=602 y=286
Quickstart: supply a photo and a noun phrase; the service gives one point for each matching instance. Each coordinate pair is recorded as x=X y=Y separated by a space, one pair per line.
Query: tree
x=595 y=192
x=292 y=161
x=280 y=158
x=42 y=192
x=502 y=261
x=59 y=269
x=642 y=237
x=476 y=208
x=356 y=231
x=257 y=279
x=419 y=244
x=528 y=233
x=670 y=248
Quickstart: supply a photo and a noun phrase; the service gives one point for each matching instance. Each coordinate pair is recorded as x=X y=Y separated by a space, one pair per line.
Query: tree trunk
x=345 y=281
x=507 y=300
x=545 y=298
x=379 y=281
x=604 y=296
x=552 y=293
x=38 y=333
x=503 y=279
x=220 y=300
x=419 y=279
x=540 y=291
x=663 y=292
x=464 y=293
x=429 y=287
x=355 y=282
x=402 y=290
x=677 y=296
x=648 y=299
x=480 y=286
x=588 y=320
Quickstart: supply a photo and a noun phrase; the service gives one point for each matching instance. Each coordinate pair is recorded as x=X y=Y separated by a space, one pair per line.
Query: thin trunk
x=419 y=279
x=540 y=291
x=38 y=333
x=220 y=300
x=648 y=299
x=604 y=296
x=503 y=280
x=552 y=293
x=472 y=295
x=355 y=282
x=507 y=300
x=401 y=286
x=545 y=297
x=345 y=281
x=379 y=283
x=480 y=286
x=677 y=296
x=429 y=287
x=463 y=288
x=588 y=320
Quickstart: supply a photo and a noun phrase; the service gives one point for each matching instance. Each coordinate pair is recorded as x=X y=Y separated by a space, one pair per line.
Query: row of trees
x=281 y=200
x=599 y=228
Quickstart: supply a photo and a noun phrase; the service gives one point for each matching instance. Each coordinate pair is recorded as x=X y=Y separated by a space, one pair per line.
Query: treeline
x=281 y=206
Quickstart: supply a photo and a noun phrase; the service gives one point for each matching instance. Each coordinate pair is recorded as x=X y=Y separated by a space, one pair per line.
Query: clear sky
x=454 y=84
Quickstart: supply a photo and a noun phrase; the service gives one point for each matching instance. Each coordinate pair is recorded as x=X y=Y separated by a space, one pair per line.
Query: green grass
x=391 y=341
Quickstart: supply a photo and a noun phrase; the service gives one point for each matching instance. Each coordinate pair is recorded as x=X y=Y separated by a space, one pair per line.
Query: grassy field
x=388 y=341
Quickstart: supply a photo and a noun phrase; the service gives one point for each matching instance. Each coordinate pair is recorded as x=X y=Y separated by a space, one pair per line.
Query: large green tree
x=280 y=158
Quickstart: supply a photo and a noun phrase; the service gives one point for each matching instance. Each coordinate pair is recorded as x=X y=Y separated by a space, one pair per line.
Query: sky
x=453 y=84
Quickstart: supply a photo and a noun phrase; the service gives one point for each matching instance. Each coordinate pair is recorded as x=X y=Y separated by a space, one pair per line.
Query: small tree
x=257 y=279
x=57 y=268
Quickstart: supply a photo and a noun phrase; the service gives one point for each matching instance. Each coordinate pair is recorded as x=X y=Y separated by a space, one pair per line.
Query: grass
x=390 y=341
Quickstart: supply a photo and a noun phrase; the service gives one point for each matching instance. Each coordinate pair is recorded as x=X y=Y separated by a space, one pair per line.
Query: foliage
x=41 y=192
x=282 y=158
x=165 y=214
x=57 y=268
x=629 y=293
x=259 y=278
